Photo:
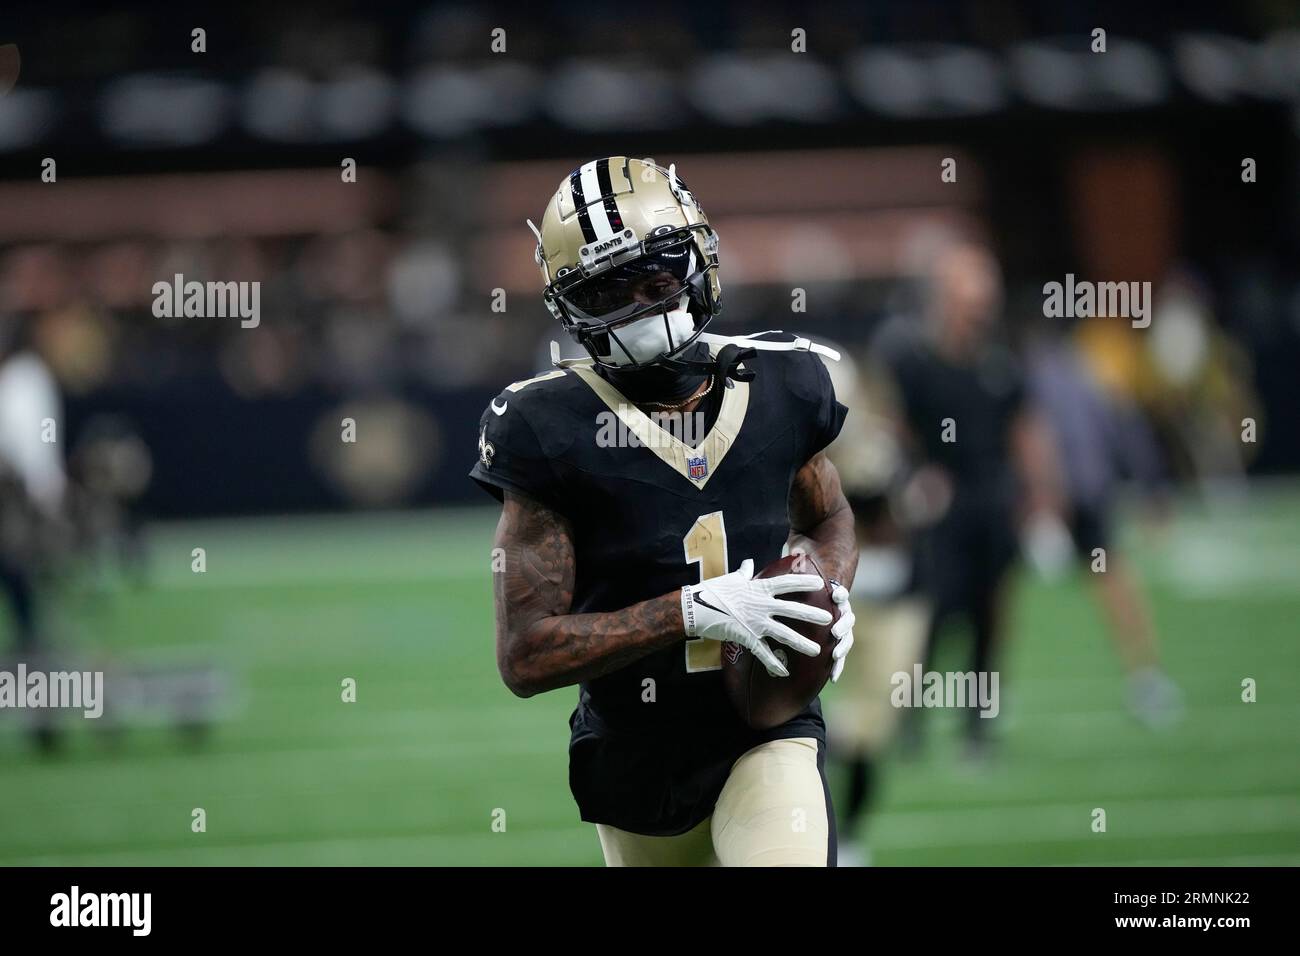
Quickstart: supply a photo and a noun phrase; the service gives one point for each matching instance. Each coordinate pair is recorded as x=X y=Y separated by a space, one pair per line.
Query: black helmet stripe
x=580 y=203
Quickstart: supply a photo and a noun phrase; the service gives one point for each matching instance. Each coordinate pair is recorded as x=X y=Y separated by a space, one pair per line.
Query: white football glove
x=740 y=608
x=843 y=629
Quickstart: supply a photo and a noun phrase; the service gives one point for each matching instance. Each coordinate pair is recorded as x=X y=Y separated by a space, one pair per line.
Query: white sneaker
x=1153 y=699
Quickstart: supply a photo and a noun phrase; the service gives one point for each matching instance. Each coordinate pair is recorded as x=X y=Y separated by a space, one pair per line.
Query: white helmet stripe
x=596 y=209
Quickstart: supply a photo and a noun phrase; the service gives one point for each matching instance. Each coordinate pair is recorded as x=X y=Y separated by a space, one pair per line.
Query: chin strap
x=728 y=364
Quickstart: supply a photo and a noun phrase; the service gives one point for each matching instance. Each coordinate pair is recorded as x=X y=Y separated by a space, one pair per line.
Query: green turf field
x=413 y=772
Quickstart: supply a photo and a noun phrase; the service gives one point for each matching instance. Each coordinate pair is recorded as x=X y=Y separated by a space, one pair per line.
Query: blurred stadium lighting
x=277 y=106
x=445 y=101
x=156 y=109
x=595 y=95
x=442 y=100
x=358 y=104
x=744 y=89
x=1062 y=75
x=1135 y=75
x=1212 y=66
x=1279 y=63
x=1222 y=68
x=25 y=116
x=930 y=80
x=889 y=81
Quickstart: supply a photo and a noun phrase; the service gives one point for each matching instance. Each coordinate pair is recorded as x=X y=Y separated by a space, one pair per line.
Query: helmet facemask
x=644 y=307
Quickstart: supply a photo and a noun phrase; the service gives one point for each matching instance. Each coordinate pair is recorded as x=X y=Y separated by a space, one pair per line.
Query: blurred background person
x=979 y=444
x=1185 y=377
x=1099 y=442
x=31 y=468
x=33 y=485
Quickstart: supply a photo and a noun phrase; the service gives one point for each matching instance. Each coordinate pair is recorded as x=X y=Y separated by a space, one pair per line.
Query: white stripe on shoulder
x=800 y=344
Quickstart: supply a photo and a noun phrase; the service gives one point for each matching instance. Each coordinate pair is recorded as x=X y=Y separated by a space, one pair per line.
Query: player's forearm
x=540 y=645
x=833 y=544
x=821 y=520
x=568 y=649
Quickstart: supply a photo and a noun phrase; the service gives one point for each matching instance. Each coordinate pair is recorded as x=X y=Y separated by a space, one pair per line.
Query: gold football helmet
x=630 y=263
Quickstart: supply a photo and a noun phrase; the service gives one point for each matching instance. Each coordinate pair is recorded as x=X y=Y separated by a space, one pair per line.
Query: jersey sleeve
x=510 y=458
x=827 y=413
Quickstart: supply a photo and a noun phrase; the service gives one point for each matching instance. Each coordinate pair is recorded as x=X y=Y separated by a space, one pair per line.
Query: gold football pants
x=772 y=811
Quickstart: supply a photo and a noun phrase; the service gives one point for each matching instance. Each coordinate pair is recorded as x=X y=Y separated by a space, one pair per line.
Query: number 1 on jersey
x=706 y=544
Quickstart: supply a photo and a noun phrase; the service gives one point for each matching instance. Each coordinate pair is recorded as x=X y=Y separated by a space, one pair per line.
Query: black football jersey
x=981 y=400
x=652 y=743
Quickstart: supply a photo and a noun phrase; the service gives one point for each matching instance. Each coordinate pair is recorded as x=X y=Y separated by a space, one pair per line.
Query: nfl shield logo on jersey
x=697 y=468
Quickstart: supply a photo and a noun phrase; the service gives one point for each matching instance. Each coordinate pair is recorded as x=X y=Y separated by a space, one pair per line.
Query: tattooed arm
x=821 y=521
x=540 y=645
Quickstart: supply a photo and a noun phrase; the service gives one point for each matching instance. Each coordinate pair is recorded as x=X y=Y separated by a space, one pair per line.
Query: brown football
x=764 y=701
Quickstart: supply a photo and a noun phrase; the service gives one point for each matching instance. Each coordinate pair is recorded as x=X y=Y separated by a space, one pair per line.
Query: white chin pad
x=647 y=338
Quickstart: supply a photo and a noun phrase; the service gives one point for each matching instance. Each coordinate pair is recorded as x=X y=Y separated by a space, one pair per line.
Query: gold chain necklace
x=684 y=402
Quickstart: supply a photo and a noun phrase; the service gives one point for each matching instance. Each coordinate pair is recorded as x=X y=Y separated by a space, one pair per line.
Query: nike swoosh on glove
x=740 y=608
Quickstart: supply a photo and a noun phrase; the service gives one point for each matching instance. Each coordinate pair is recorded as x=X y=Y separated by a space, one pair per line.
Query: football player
x=642 y=490
x=33 y=487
